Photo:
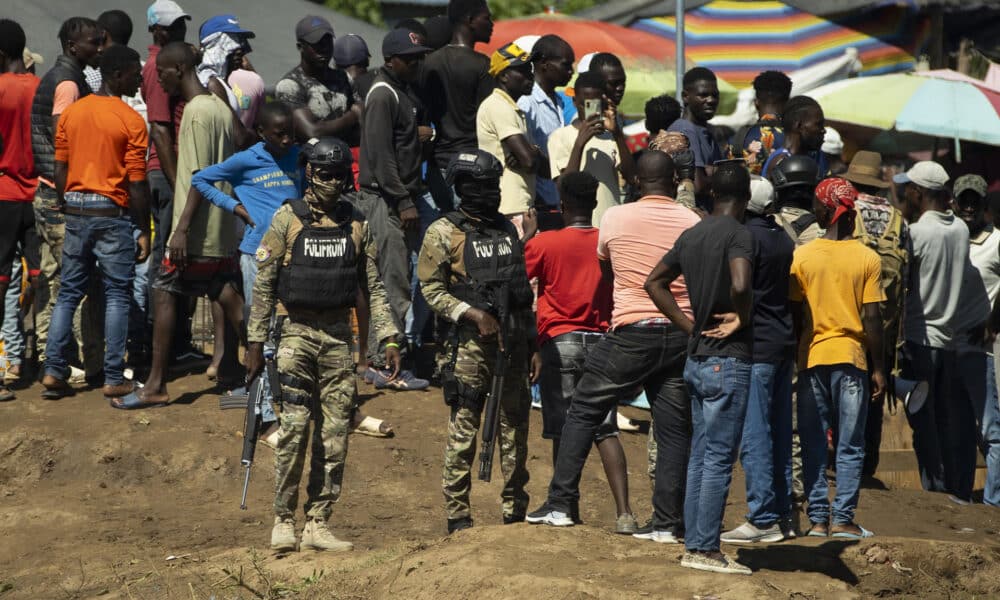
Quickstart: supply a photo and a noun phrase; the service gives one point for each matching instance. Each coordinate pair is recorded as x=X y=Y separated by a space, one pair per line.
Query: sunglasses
x=329 y=175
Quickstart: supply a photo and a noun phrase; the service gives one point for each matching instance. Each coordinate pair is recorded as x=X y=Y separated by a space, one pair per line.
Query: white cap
x=926 y=173
x=165 y=13
x=527 y=42
x=761 y=195
x=583 y=65
x=832 y=142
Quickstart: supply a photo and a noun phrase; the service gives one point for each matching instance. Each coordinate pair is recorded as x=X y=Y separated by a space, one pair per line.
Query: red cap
x=838 y=195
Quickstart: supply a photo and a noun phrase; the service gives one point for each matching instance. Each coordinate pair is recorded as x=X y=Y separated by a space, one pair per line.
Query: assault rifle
x=253 y=402
x=491 y=414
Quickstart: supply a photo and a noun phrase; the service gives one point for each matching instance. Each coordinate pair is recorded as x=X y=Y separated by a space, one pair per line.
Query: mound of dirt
x=96 y=502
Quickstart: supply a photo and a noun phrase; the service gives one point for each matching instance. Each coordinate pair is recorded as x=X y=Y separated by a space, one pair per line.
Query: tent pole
x=679 y=43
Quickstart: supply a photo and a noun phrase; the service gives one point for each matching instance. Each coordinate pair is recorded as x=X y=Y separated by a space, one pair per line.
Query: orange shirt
x=104 y=142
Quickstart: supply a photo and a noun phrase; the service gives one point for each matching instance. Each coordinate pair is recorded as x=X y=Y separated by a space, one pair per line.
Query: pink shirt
x=635 y=237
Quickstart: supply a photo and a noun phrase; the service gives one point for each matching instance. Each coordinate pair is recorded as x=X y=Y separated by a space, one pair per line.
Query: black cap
x=311 y=29
x=399 y=42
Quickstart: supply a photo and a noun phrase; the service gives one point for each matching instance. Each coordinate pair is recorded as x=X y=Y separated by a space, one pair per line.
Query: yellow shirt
x=836 y=278
x=499 y=118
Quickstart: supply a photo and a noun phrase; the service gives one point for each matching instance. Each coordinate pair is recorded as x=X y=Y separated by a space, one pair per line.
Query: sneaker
x=405 y=381
x=549 y=516
x=715 y=564
x=660 y=536
x=959 y=501
x=76 y=376
x=787 y=528
x=283 y=535
x=536 y=396
x=317 y=536
x=626 y=524
x=459 y=524
x=748 y=533
x=515 y=518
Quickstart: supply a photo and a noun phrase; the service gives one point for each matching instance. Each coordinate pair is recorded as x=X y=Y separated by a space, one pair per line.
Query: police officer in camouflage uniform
x=468 y=259
x=316 y=258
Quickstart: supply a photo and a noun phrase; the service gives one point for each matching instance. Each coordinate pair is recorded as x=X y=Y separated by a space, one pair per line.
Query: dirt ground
x=145 y=505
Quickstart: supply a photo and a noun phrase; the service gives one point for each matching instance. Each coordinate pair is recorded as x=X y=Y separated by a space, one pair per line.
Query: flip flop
x=847 y=535
x=371 y=426
x=816 y=533
x=58 y=393
x=132 y=401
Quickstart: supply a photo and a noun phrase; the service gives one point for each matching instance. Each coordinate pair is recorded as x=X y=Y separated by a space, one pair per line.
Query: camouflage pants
x=474 y=367
x=316 y=356
x=88 y=321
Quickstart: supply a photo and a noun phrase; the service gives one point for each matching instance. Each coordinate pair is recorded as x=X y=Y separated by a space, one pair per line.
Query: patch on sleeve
x=263 y=254
x=286 y=352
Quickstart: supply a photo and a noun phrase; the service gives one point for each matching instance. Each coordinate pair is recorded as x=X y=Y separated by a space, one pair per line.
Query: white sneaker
x=659 y=536
x=76 y=375
x=748 y=533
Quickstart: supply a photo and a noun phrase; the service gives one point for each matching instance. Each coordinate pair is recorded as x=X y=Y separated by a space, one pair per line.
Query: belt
x=95 y=212
x=578 y=336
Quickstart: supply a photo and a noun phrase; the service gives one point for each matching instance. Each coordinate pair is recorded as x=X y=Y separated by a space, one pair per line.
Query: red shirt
x=160 y=108
x=17 y=164
x=572 y=295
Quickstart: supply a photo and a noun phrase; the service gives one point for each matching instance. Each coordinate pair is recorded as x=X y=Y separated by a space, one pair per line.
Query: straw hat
x=866 y=169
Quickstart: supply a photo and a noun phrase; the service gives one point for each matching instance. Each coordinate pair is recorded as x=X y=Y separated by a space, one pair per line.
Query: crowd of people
x=450 y=208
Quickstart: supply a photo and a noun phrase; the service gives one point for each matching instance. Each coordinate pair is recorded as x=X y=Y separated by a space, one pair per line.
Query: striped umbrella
x=739 y=39
x=935 y=107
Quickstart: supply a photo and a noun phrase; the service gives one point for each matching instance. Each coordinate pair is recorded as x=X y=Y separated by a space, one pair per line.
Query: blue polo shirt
x=544 y=116
x=261 y=183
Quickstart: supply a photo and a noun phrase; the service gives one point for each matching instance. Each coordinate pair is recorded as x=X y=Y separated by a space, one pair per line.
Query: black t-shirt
x=702 y=254
x=455 y=79
x=773 y=339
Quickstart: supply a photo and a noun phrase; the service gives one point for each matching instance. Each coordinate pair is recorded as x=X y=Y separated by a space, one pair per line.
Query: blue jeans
x=248 y=269
x=419 y=313
x=719 y=388
x=11 y=331
x=138 y=313
x=828 y=395
x=989 y=419
x=106 y=245
x=766 y=452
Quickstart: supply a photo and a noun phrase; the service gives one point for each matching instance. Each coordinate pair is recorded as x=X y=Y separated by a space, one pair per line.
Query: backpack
x=894 y=257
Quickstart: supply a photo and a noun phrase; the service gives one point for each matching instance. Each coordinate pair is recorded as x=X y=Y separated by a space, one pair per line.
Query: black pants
x=625 y=360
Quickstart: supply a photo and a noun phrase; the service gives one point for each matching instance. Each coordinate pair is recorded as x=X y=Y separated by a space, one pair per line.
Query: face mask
x=478 y=200
x=327 y=192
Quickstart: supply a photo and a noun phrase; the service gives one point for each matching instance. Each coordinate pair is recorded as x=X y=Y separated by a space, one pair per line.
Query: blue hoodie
x=261 y=183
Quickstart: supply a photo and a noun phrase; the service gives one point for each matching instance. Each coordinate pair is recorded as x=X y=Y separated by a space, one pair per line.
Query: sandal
x=132 y=401
x=371 y=426
x=56 y=389
x=850 y=535
x=819 y=530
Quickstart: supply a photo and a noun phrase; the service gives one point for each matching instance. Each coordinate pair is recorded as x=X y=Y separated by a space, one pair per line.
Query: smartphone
x=591 y=107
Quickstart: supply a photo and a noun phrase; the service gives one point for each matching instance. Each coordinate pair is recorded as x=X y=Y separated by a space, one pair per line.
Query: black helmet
x=478 y=164
x=794 y=170
x=327 y=152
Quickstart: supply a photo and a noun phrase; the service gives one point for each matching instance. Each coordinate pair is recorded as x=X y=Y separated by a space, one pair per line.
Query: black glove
x=684 y=164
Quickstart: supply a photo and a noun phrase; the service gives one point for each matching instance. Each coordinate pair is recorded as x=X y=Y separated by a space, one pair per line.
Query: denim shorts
x=563 y=358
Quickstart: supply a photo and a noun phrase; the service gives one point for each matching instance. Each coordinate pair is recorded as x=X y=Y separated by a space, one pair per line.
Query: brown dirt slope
x=93 y=501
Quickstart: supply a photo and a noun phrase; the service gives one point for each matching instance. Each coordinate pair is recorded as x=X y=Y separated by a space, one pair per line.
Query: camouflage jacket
x=441 y=265
x=275 y=252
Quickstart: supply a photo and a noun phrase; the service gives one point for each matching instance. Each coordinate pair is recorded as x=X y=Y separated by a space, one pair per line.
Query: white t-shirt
x=600 y=159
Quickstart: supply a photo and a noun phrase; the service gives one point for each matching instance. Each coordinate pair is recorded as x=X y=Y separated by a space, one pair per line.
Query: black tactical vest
x=42 y=134
x=323 y=271
x=493 y=256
